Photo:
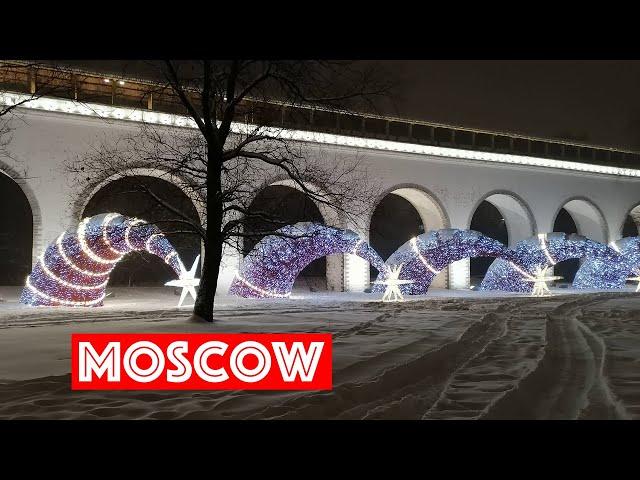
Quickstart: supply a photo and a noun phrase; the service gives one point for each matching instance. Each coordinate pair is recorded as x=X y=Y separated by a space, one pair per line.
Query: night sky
x=592 y=101
x=596 y=102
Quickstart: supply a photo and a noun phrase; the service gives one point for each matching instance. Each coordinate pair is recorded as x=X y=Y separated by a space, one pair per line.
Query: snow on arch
x=74 y=270
x=271 y=268
x=424 y=256
x=544 y=250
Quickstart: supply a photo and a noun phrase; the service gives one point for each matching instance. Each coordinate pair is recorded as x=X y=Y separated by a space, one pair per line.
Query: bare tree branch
x=224 y=168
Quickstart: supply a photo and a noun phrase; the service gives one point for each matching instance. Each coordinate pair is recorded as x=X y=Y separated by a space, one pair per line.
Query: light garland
x=610 y=273
x=414 y=245
x=262 y=292
x=57 y=301
x=614 y=245
x=424 y=256
x=521 y=271
x=82 y=238
x=140 y=115
x=134 y=222
x=44 y=267
x=271 y=268
x=147 y=244
x=71 y=271
x=543 y=243
x=546 y=250
x=355 y=248
x=105 y=233
x=70 y=263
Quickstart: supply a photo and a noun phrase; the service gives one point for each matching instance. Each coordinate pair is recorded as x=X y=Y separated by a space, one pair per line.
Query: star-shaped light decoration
x=187 y=281
x=636 y=279
x=393 y=282
x=540 y=279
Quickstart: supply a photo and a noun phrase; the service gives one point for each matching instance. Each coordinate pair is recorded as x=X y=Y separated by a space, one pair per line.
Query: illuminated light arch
x=74 y=270
x=544 y=250
x=335 y=264
x=424 y=256
x=270 y=269
x=611 y=273
x=431 y=211
x=36 y=216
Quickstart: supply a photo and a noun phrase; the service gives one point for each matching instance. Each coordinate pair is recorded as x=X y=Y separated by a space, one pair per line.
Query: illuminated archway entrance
x=584 y=218
x=631 y=226
x=16 y=233
x=401 y=214
x=124 y=196
x=276 y=206
x=504 y=217
x=567 y=270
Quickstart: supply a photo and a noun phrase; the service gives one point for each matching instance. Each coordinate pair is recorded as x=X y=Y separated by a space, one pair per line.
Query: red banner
x=189 y=361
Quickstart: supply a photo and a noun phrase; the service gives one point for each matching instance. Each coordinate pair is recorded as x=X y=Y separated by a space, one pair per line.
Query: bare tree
x=233 y=145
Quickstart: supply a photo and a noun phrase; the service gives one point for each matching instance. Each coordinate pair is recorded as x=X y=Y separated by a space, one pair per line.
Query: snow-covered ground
x=449 y=354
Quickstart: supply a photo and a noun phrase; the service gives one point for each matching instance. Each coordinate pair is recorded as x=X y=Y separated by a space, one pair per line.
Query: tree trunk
x=203 y=308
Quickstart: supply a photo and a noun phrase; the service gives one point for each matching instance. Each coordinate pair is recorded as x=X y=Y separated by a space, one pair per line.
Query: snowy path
x=497 y=368
x=471 y=357
x=618 y=337
x=569 y=382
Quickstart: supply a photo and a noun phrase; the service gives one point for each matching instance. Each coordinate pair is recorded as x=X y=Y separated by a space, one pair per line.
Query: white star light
x=187 y=281
x=540 y=279
x=392 y=292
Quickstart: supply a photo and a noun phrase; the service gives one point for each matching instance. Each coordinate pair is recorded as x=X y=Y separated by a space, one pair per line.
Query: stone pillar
x=356 y=273
x=459 y=272
x=356 y=269
x=334 y=273
x=231 y=260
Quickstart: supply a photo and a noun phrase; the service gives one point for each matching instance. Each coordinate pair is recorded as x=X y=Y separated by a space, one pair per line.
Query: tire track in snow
x=423 y=377
x=569 y=381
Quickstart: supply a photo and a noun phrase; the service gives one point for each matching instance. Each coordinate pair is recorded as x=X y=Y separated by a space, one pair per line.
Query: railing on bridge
x=119 y=91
